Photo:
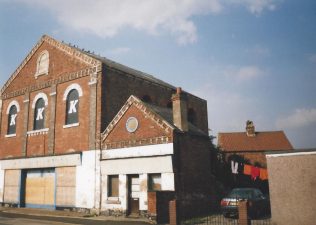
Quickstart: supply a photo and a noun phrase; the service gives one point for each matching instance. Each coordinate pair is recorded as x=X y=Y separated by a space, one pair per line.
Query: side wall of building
x=292 y=182
x=118 y=87
x=192 y=162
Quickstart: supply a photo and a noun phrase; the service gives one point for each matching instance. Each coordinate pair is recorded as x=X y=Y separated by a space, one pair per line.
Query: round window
x=131 y=124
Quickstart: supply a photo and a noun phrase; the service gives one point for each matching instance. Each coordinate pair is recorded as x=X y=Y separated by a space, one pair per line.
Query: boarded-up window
x=72 y=108
x=42 y=64
x=13 y=112
x=39 y=114
x=154 y=182
x=113 y=186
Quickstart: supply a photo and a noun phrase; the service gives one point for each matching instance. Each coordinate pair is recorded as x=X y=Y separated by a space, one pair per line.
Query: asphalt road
x=21 y=219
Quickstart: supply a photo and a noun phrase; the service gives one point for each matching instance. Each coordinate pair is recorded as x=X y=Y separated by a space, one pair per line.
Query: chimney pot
x=250 y=129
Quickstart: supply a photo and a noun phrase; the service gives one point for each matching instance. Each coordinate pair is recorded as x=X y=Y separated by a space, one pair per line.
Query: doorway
x=133 y=195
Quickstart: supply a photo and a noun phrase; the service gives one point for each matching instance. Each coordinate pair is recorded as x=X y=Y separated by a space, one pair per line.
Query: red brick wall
x=74 y=138
x=66 y=140
x=11 y=146
x=59 y=63
x=152 y=203
x=147 y=129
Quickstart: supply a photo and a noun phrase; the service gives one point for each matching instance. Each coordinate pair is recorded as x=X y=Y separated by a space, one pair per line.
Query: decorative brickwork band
x=243 y=213
x=26 y=106
x=51 y=134
x=61 y=79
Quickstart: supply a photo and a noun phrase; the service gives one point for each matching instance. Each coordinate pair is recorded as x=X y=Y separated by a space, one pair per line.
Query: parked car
x=259 y=205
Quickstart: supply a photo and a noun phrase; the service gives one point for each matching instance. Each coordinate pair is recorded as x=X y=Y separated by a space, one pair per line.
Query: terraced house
x=81 y=131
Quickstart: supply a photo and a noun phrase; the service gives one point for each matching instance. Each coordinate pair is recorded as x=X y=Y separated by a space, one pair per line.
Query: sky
x=250 y=59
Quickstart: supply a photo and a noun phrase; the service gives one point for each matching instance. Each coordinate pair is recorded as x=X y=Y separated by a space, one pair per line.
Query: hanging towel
x=255 y=172
x=247 y=169
x=234 y=166
x=263 y=174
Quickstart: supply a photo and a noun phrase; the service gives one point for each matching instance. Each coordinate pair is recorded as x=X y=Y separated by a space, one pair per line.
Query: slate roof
x=167 y=114
x=126 y=69
x=263 y=141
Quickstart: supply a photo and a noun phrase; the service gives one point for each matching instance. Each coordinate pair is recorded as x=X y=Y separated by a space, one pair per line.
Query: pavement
x=69 y=216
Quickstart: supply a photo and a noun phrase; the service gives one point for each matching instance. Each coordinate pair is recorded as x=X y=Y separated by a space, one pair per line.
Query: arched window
x=42 y=64
x=12 y=116
x=72 y=107
x=39 y=114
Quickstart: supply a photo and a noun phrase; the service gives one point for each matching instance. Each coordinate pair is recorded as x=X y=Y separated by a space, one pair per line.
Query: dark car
x=259 y=205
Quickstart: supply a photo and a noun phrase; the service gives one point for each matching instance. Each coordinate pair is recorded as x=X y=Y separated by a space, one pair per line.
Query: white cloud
x=243 y=73
x=257 y=6
x=299 y=118
x=106 y=18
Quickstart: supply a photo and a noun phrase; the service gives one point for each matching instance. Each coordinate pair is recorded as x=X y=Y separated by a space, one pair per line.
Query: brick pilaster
x=26 y=106
x=243 y=213
x=173 y=217
x=0 y=114
x=51 y=134
x=93 y=111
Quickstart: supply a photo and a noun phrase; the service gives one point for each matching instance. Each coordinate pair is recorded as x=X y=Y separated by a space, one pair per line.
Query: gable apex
x=72 y=51
x=133 y=100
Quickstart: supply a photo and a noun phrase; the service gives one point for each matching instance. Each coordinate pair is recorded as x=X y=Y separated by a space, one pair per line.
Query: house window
x=154 y=182
x=42 y=64
x=113 y=186
x=12 y=116
x=39 y=114
x=72 y=109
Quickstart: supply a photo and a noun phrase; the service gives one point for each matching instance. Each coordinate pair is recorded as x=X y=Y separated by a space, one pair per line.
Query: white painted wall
x=167 y=181
x=1 y=183
x=41 y=162
x=159 y=164
x=143 y=191
x=140 y=166
x=139 y=151
x=87 y=190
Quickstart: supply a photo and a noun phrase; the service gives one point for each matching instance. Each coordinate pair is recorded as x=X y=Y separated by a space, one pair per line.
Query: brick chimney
x=180 y=111
x=250 y=129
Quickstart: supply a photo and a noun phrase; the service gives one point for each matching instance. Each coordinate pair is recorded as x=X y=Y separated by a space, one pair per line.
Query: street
x=21 y=219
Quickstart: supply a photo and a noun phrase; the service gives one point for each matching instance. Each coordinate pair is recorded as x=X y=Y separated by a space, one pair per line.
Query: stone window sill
x=37 y=132
x=10 y=135
x=113 y=200
x=71 y=125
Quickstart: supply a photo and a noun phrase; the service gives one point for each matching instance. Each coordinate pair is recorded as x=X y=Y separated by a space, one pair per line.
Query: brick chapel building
x=81 y=131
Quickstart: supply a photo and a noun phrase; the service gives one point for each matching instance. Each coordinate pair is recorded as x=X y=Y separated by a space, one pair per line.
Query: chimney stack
x=250 y=129
x=180 y=111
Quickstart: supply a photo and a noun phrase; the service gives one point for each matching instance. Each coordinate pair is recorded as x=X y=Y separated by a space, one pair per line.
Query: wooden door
x=133 y=195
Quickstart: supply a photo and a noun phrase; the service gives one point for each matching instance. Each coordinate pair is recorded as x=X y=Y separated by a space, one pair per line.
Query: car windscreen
x=242 y=194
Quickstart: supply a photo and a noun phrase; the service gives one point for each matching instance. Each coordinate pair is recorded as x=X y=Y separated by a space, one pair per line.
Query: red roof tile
x=263 y=141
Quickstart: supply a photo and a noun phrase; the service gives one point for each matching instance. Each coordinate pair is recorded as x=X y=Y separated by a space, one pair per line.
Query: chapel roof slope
x=112 y=64
x=262 y=141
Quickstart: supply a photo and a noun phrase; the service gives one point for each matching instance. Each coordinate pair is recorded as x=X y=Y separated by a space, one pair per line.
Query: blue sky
x=250 y=59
